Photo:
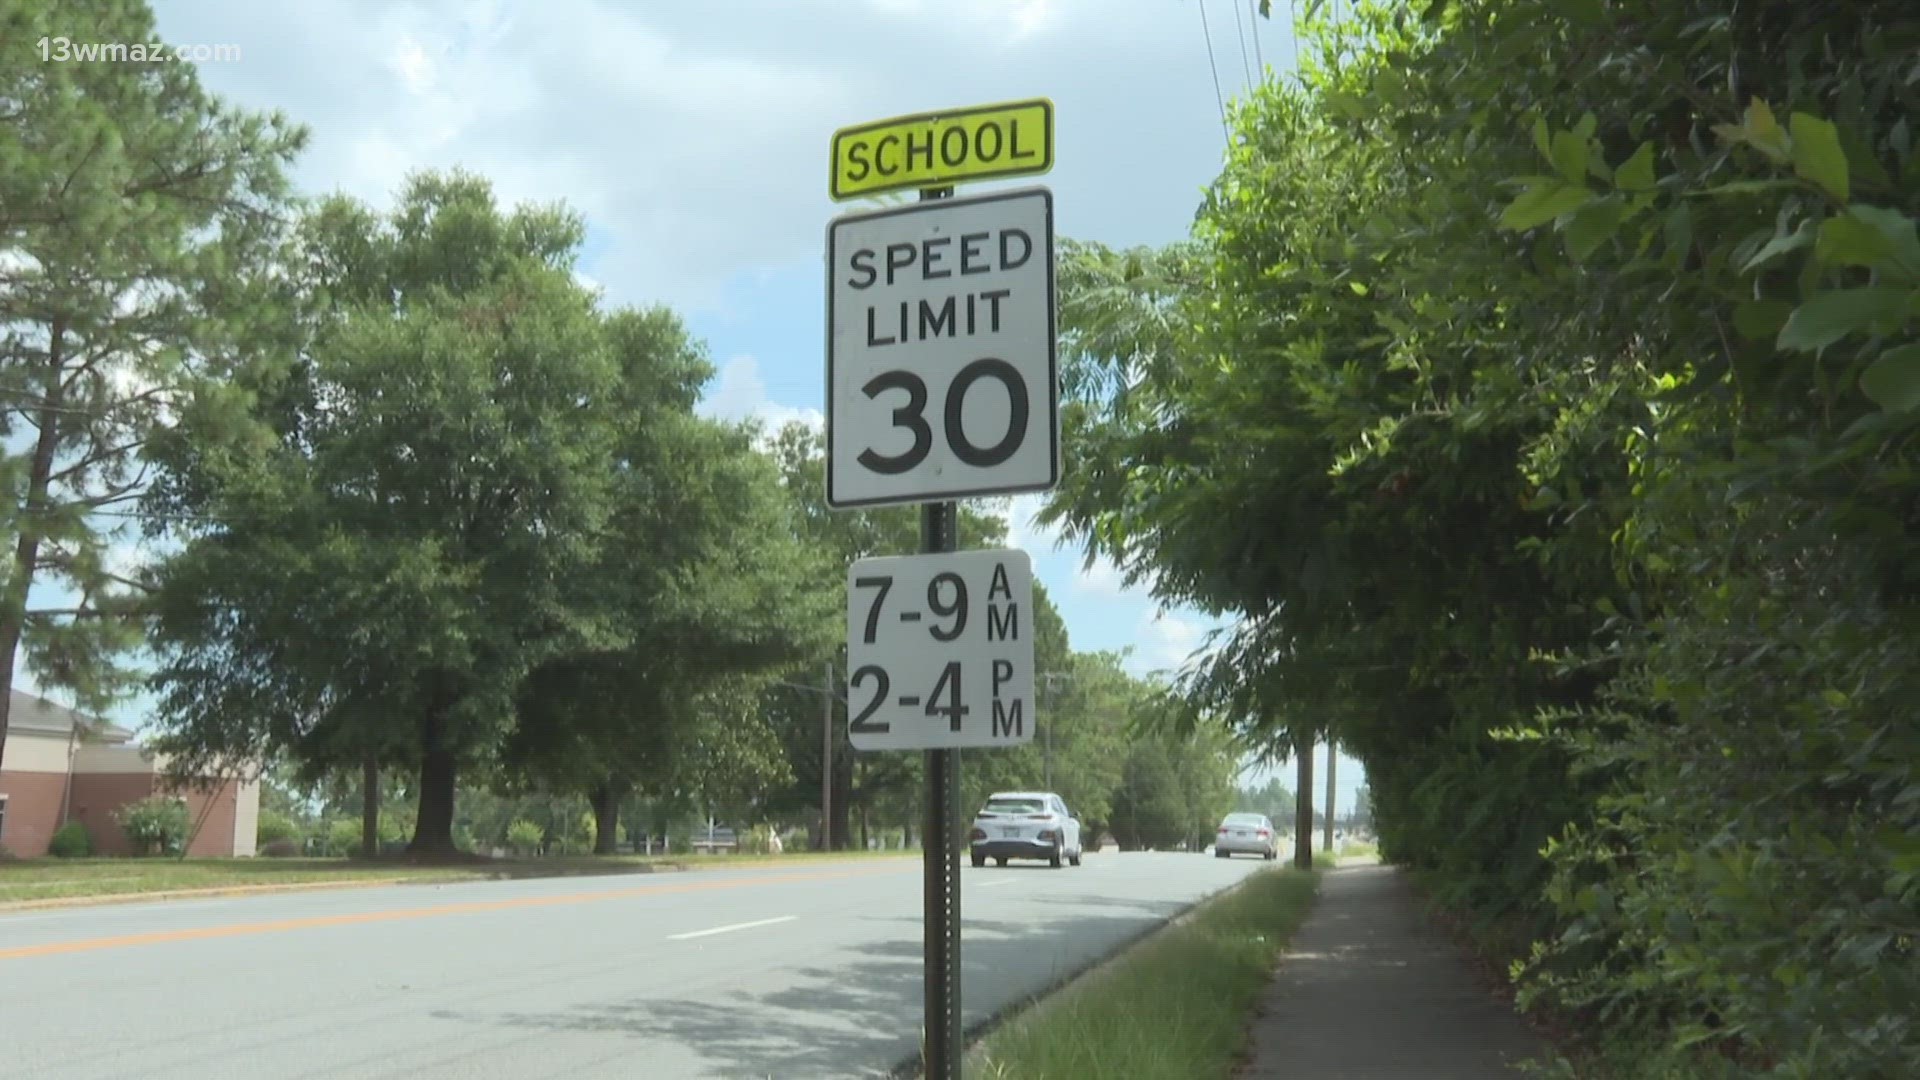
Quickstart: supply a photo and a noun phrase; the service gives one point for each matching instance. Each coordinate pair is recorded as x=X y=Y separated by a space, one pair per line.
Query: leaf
x=1541 y=138
x=1845 y=240
x=1592 y=225
x=1817 y=155
x=1903 y=245
x=1539 y=205
x=1636 y=173
x=1780 y=245
x=1761 y=320
x=1831 y=316
x=1892 y=381
x=1760 y=123
x=1570 y=155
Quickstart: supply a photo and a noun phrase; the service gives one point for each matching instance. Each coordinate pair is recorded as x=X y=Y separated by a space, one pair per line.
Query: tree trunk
x=370 y=807
x=842 y=837
x=605 y=801
x=26 y=551
x=866 y=838
x=439 y=773
x=1303 y=804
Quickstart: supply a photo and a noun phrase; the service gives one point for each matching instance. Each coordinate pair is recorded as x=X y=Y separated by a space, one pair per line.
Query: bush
x=280 y=849
x=273 y=826
x=155 y=825
x=343 y=837
x=70 y=841
x=524 y=837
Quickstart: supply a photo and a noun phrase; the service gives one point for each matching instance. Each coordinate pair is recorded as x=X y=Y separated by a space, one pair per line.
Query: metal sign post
x=942 y=384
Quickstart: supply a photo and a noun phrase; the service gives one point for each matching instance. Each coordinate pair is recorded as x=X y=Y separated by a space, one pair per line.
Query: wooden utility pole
x=1303 y=803
x=1329 y=841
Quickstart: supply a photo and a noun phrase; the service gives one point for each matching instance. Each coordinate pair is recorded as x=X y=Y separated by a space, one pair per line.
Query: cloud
x=693 y=137
x=740 y=393
x=1166 y=641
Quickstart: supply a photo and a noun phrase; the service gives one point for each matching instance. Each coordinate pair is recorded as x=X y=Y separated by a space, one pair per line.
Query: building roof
x=43 y=717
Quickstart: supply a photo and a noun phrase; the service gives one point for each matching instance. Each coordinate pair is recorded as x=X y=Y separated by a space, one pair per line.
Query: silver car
x=1246 y=834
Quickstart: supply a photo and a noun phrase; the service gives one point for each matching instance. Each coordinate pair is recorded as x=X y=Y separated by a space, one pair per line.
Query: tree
x=724 y=594
x=1273 y=799
x=132 y=207
x=1549 y=426
x=411 y=526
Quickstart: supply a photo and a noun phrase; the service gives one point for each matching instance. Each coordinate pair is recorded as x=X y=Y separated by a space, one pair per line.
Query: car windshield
x=1015 y=806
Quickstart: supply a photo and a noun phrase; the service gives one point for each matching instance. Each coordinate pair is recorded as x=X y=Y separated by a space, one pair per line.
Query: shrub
x=524 y=837
x=155 y=825
x=273 y=826
x=70 y=841
x=285 y=848
x=343 y=837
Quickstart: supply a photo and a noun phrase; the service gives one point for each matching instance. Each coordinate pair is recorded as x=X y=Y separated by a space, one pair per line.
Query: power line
x=1219 y=98
x=1253 y=13
x=1246 y=67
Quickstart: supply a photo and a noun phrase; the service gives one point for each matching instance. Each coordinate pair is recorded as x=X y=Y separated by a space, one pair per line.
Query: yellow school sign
x=928 y=150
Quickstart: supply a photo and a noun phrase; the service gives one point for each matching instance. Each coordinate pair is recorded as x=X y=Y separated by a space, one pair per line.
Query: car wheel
x=1053 y=860
x=1001 y=861
x=979 y=861
x=1218 y=854
x=1074 y=858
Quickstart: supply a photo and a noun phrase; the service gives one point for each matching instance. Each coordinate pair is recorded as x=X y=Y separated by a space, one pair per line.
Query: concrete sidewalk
x=1371 y=989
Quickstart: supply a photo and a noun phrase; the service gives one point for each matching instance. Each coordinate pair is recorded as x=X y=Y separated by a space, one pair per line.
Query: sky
x=693 y=137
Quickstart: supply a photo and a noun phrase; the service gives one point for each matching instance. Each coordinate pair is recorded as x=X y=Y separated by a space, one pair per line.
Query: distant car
x=1025 y=825
x=1245 y=834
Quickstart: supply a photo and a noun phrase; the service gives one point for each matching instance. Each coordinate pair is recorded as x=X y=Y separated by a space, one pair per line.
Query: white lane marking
x=1002 y=881
x=730 y=928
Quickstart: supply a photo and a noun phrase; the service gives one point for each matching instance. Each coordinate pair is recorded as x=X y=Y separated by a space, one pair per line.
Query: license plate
x=1240 y=836
x=1010 y=832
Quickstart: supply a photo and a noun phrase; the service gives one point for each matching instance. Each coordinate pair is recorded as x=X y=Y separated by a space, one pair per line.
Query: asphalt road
x=809 y=970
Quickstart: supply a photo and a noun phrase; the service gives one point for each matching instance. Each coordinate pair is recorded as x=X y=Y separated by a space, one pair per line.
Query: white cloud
x=739 y=393
x=1167 y=641
x=694 y=137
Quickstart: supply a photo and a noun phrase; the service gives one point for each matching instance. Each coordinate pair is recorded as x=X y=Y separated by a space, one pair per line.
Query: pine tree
x=133 y=208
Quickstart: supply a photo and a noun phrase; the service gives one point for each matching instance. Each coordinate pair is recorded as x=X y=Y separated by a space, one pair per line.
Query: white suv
x=1025 y=825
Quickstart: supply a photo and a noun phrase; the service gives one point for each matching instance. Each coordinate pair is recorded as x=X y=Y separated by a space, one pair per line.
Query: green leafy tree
x=1537 y=391
x=412 y=525
x=723 y=595
x=133 y=207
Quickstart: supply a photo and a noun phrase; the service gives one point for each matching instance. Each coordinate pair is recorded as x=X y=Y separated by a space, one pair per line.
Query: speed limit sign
x=941 y=370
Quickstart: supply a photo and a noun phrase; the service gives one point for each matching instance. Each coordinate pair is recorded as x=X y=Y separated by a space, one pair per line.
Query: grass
x=1174 y=1007
x=66 y=879
x=1354 y=849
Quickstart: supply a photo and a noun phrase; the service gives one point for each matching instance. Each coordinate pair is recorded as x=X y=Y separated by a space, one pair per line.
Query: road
x=808 y=970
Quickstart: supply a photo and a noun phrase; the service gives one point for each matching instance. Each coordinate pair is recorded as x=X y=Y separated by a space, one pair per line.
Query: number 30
x=911 y=416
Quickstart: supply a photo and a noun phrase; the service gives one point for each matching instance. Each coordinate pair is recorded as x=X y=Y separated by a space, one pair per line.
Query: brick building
x=59 y=766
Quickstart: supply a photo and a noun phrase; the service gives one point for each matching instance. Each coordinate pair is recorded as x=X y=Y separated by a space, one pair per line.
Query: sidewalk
x=1371 y=989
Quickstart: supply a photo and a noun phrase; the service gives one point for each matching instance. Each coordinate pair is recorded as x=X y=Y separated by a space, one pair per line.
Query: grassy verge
x=1173 y=1007
x=68 y=879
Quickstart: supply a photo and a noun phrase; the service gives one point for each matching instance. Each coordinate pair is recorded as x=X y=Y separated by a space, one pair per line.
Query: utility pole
x=1330 y=753
x=1303 y=803
x=826 y=764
